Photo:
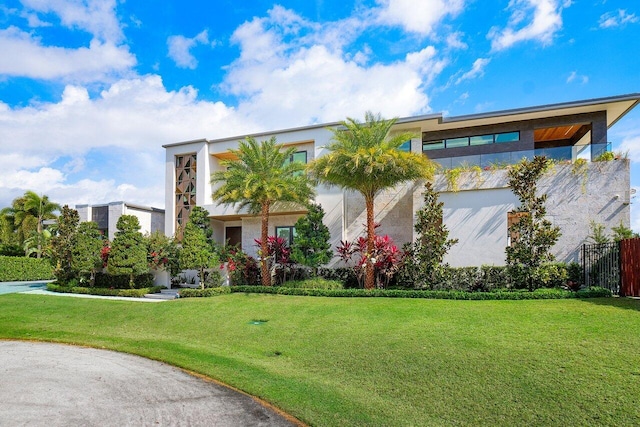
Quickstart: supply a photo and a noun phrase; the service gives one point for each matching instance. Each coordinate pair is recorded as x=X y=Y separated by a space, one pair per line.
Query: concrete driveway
x=44 y=384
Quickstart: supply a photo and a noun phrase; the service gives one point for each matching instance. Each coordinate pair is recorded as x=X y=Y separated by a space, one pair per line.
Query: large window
x=466 y=141
x=288 y=233
x=433 y=145
x=299 y=156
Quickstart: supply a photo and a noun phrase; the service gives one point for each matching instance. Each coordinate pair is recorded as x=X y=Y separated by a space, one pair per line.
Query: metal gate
x=614 y=266
x=601 y=266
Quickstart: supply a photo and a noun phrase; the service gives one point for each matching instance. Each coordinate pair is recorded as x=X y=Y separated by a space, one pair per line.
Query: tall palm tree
x=363 y=157
x=260 y=178
x=28 y=214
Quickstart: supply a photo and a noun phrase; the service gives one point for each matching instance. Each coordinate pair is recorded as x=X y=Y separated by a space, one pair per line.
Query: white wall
x=478 y=219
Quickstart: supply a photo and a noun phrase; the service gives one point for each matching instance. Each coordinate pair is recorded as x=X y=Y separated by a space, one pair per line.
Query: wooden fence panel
x=630 y=267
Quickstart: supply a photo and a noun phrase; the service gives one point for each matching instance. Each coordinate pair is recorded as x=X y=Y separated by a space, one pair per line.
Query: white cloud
x=419 y=17
x=180 y=49
x=285 y=81
x=124 y=127
x=537 y=20
x=476 y=71
x=574 y=76
x=631 y=145
x=106 y=147
x=98 y=17
x=23 y=55
x=454 y=40
x=617 y=19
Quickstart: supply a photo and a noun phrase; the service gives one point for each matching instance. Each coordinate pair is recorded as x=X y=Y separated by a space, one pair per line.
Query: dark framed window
x=432 y=145
x=466 y=141
x=508 y=137
x=288 y=233
x=457 y=142
x=481 y=140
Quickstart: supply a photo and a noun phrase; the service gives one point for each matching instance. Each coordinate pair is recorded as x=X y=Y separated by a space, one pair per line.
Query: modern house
x=477 y=204
x=107 y=215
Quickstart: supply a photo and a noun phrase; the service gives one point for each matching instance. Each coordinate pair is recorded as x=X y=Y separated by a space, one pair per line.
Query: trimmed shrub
x=415 y=293
x=18 y=269
x=207 y=292
x=11 y=250
x=134 y=293
x=314 y=283
x=104 y=280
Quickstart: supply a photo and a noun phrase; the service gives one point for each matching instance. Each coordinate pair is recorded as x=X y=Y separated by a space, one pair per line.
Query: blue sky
x=90 y=90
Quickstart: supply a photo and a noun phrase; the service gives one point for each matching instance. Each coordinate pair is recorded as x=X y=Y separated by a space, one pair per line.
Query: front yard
x=369 y=361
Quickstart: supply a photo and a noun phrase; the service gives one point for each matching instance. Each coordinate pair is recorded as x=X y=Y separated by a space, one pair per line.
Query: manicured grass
x=370 y=361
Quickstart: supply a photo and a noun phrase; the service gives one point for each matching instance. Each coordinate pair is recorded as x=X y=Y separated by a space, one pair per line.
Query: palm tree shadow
x=627 y=303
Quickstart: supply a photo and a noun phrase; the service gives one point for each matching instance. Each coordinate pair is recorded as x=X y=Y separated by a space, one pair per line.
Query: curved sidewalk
x=45 y=384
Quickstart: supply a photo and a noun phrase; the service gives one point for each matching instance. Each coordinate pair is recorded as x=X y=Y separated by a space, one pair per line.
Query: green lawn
x=375 y=361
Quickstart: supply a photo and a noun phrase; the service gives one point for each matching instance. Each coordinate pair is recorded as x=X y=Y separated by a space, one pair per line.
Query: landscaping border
x=133 y=293
x=554 y=293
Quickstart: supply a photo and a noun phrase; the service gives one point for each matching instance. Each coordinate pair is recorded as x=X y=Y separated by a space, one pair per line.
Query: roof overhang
x=615 y=107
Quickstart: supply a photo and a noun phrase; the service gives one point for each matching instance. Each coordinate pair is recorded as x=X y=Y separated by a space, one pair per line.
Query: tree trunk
x=39 y=236
x=264 y=248
x=370 y=278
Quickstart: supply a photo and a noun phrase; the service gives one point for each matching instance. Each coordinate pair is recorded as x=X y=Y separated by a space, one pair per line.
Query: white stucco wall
x=478 y=219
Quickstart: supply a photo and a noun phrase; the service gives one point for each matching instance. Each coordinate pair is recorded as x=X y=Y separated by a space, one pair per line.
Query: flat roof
x=615 y=106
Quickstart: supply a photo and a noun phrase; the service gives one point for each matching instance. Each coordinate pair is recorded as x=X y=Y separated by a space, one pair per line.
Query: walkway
x=44 y=384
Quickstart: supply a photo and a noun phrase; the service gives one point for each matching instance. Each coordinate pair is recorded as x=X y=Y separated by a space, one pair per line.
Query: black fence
x=601 y=266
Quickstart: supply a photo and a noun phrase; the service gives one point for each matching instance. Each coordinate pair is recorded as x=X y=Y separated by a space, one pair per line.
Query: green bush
x=11 y=250
x=104 y=280
x=18 y=269
x=135 y=293
x=415 y=293
x=314 y=283
x=207 y=292
x=473 y=279
x=345 y=275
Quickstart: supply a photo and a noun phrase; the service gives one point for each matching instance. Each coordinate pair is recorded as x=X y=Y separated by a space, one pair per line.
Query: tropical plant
x=197 y=252
x=620 y=232
x=598 y=233
x=363 y=157
x=433 y=241
x=534 y=235
x=28 y=214
x=62 y=244
x=128 y=253
x=311 y=245
x=385 y=259
x=87 y=251
x=163 y=253
x=242 y=268
x=260 y=178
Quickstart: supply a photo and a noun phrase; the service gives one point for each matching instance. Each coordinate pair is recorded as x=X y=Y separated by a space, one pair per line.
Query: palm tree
x=363 y=157
x=260 y=179
x=28 y=214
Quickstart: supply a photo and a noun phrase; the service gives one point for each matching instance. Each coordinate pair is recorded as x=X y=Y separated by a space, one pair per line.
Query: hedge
x=398 y=293
x=207 y=292
x=135 y=293
x=18 y=269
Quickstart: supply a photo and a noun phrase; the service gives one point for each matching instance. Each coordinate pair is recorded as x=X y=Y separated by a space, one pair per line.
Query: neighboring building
x=107 y=215
x=477 y=212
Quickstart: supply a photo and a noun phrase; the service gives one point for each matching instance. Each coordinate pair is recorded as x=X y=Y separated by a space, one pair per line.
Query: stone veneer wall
x=596 y=192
